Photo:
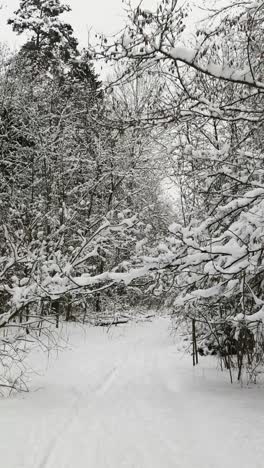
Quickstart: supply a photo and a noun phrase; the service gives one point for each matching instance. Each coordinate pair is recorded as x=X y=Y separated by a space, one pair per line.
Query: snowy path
x=128 y=399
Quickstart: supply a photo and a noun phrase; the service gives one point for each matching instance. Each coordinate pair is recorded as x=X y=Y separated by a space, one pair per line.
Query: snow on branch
x=222 y=72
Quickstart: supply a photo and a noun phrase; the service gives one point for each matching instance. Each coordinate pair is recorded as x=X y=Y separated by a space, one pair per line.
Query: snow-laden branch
x=222 y=72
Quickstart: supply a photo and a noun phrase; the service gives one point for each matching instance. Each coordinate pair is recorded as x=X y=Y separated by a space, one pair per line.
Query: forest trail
x=129 y=399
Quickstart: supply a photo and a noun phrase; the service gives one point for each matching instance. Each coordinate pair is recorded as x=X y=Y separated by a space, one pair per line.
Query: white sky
x=105 y=16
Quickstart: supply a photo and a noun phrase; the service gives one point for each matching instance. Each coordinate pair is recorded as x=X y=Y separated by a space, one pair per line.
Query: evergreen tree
x=50 y=39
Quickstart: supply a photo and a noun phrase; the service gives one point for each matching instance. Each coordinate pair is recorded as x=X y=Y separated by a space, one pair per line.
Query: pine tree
x=50 y=39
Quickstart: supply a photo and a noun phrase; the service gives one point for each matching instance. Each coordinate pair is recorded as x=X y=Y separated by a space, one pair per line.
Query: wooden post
x=195 y=350
x=56 y=308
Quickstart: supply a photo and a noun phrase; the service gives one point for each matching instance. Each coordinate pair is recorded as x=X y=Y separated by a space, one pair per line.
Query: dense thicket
x=79 y=193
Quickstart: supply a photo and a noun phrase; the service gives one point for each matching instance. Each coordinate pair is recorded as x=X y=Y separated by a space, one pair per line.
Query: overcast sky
x=102 y=15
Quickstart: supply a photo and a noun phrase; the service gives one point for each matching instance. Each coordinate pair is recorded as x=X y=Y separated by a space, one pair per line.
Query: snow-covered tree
x=50 y=39
x=213 y=258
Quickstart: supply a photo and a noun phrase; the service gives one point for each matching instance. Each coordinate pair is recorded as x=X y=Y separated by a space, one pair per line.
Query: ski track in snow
x=100 y=390
x=129 y=399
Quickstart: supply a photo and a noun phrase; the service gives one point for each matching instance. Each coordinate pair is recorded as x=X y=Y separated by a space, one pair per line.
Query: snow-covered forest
x=131 y=186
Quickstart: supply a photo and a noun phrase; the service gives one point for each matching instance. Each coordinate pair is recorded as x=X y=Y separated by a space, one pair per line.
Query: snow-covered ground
x=128 y=398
